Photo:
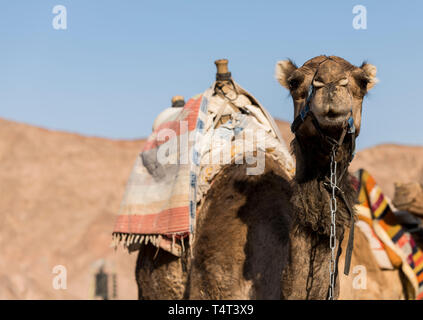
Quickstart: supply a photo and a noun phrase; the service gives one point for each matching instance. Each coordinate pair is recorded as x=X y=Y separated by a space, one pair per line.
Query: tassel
x=183 y=245
x=191 y=241
x=158 y=240
x=173 y=242
x=155 y=255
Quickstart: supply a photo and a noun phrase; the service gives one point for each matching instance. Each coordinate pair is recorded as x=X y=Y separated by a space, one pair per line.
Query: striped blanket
x=391 y=245
x=160 y=201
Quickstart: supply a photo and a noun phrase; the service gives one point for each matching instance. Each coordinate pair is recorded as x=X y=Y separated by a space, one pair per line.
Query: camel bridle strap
x=332 y=183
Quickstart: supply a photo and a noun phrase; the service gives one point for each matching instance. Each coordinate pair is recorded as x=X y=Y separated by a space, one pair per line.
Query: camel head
x=328 y=94
x=334 y=87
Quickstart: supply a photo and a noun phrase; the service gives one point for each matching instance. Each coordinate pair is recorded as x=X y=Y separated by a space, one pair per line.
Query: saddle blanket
x=160 y=200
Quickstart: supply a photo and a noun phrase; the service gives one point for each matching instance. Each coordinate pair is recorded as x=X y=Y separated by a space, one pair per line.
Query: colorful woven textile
x=158 y=204
x=399 y=245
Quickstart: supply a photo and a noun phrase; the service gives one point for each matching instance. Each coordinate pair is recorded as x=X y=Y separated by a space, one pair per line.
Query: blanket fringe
x=131 y=242
x=191 y=241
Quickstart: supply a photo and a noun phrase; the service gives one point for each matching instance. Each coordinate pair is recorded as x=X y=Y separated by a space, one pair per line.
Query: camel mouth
x=332 y=125
x=332 y=121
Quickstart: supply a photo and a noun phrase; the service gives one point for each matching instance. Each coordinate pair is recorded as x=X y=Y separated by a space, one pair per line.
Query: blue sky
x=119 y=62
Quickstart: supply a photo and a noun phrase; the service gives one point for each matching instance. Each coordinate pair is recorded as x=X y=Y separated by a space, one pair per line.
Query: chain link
x=333 y=208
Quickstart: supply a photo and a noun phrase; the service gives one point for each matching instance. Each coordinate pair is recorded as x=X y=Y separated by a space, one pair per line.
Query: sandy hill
x=59 y=195
x=60 y=192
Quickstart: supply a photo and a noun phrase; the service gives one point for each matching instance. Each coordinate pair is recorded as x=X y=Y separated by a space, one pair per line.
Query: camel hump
x=409 y=197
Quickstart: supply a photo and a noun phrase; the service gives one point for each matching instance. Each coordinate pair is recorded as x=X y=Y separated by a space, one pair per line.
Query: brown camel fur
x=262 y=237
x=239 y=234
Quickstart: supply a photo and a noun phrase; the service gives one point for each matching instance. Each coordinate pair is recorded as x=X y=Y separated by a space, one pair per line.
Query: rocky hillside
x=59 y=195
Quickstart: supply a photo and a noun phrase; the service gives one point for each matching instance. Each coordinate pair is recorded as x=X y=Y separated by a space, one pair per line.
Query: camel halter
x=331 y=183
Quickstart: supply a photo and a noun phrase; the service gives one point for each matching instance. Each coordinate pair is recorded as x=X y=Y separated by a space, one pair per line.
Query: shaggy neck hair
x=311 y=198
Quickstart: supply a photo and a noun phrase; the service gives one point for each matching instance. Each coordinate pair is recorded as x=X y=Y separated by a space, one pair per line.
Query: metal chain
x=333 y=208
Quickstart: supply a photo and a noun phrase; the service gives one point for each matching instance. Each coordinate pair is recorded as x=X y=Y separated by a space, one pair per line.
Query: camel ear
x=283 y=71
x=370 y=71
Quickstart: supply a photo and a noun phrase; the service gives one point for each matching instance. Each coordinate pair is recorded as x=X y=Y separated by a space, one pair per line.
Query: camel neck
x=311 y=198
x=313 y=161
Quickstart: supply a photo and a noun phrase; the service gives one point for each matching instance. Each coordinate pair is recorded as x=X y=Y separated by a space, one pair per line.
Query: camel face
x=335 y=89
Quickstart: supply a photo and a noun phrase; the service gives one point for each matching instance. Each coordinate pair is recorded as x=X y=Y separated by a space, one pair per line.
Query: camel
x=268 y=236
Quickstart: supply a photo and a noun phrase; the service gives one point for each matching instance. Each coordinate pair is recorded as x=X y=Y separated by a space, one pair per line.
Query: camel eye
x=343 y=82
x=318 y=84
